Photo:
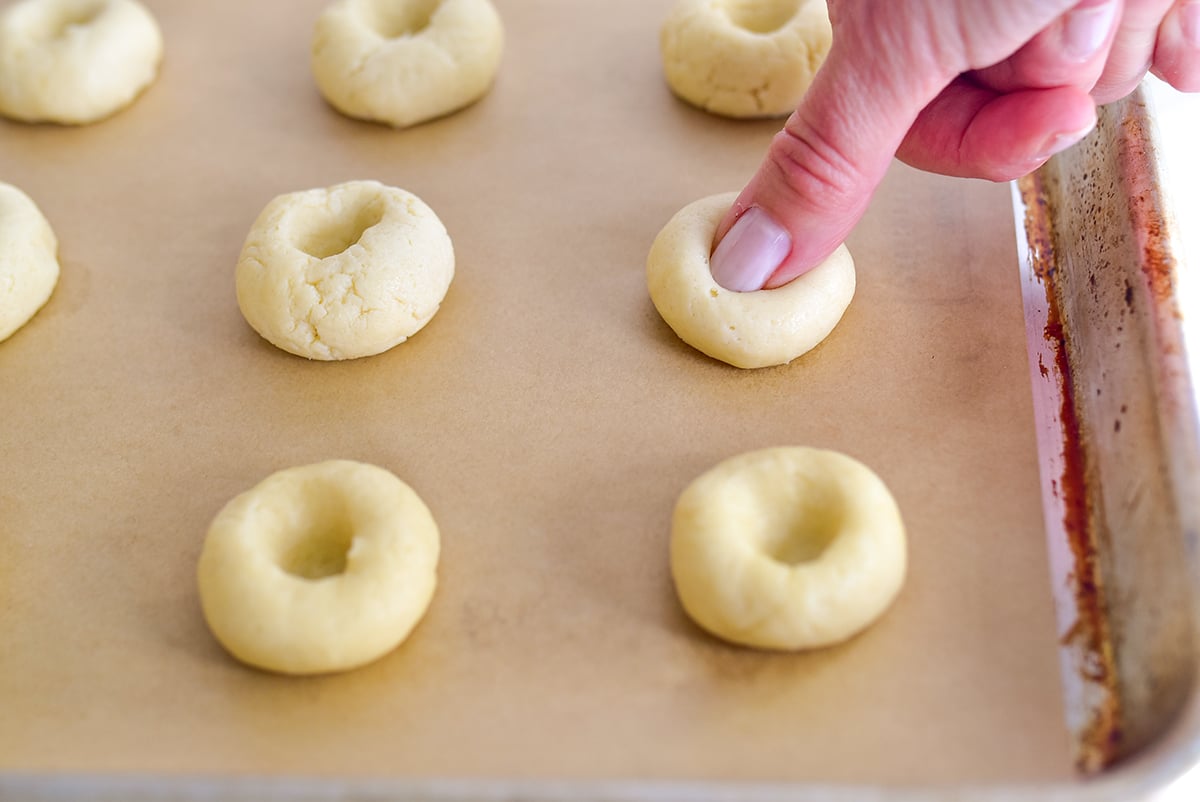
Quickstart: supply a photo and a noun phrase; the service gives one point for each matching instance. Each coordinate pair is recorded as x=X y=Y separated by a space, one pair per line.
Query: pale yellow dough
x=787 y=548
x=28 y=260
x=402 y=62
x=319 y=568
x=75 y=61
x=744 y=58
x=344 y=272
x=744 y=329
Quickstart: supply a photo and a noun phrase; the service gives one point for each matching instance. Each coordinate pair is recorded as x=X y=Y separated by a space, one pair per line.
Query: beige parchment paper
x=546 y=415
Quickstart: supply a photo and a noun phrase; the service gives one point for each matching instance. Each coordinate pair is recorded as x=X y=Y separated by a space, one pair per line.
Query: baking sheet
x=547 y=417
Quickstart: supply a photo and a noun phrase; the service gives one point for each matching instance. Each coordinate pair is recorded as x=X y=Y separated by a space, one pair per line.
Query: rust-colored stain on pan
x=1098 y=741
x=1157 y=263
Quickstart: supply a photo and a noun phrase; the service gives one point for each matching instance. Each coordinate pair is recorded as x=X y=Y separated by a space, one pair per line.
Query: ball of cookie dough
x=319 y=568
x=744 y=58
x=344 y=272
x=402 y=62
x=75 y=61
x=787 y=548
x=744 y=329
x=28 y=260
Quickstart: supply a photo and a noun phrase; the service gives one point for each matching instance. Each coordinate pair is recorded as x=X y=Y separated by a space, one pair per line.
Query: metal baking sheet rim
x=1116 y=421
x=1097 y=708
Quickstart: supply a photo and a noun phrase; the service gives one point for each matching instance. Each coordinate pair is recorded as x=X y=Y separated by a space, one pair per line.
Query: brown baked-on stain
x=1158 y=264
x=1098 y=743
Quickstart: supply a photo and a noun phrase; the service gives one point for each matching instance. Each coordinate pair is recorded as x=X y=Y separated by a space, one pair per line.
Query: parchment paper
x=546 y=415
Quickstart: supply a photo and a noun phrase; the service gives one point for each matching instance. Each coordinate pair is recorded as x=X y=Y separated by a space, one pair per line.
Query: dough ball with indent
x=75 y=61
x=402 y=62
x=787 y=548
x=344 y=272
x=744 y=58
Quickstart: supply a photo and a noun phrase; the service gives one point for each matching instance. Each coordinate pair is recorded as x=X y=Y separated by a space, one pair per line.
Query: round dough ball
x=320 y=568
x=787 y=548
x=28 y=260
x=744 y=58
x=75 y=61
x=744 y=329
x=344 y=272
x=402 y=62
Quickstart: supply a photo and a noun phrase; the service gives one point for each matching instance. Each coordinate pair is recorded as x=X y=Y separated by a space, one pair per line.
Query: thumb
x=818 y=175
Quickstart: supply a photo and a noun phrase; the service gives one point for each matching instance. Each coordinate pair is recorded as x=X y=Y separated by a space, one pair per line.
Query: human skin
x=974 y=88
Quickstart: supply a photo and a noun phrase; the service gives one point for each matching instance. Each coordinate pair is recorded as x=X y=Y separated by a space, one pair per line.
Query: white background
x=1178 y=118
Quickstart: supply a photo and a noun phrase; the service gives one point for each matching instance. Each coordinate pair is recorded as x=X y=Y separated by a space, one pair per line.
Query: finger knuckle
x=813 y=169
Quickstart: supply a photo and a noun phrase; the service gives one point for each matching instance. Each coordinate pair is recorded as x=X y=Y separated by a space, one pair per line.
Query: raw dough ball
x=787 y=548
x=75 y=61
x=744 y=58
x=344 y=272
x=28 y=260
x=402 y=62
x=320 y=568
x=745 y=329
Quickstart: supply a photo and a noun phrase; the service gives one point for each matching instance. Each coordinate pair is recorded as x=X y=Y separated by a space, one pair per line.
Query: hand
x=977 y=88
